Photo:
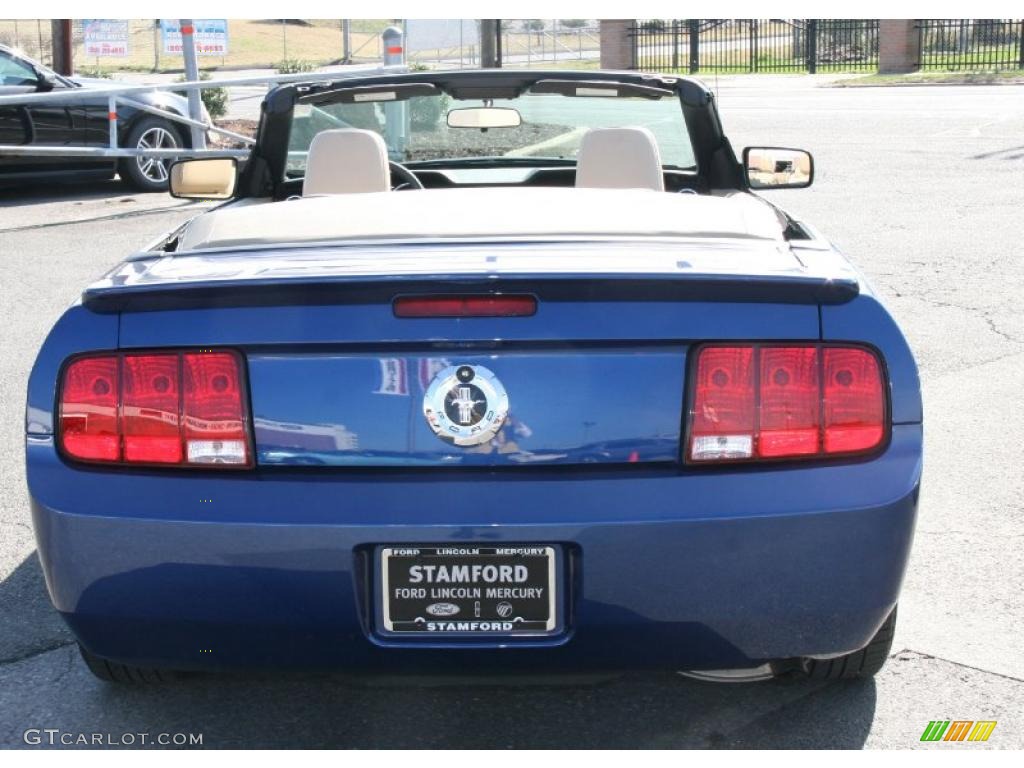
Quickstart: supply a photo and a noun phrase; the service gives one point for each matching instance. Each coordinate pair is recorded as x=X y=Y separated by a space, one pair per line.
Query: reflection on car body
x=681 y=425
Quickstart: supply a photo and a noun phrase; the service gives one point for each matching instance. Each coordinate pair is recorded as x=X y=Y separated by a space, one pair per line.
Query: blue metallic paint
x=782 y=565
x=728 y=566
x=331 y=408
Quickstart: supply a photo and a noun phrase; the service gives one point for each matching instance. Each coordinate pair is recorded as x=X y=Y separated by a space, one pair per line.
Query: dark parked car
x=82 y=120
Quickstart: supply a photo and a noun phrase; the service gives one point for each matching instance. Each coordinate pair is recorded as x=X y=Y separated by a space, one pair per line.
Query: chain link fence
x=525 y=43
x=269 y=43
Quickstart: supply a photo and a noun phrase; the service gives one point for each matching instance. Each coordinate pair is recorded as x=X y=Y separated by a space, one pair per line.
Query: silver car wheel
x=155 y=138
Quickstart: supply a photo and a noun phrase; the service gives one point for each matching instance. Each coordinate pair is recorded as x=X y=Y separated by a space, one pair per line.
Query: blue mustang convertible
x=478 y=370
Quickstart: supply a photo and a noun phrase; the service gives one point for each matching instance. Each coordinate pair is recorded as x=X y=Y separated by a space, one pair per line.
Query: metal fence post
x=1020 y=44
x=694 y=45
x=112 y=120
x=675 y=44
x=753 y=44
x=812 y=46
x=395 y=113
x=394 y=46
x=195 y=103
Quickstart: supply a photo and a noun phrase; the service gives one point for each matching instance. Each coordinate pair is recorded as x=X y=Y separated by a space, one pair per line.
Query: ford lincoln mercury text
x=480 y=370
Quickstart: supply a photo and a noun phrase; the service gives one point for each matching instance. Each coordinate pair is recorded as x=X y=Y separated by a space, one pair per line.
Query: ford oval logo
x=442 y=609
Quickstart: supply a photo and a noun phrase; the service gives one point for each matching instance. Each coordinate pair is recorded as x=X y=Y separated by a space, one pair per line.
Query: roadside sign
x=105 y=37
x=210 y=35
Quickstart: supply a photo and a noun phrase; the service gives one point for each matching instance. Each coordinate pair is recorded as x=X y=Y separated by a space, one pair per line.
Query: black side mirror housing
x=45 y=82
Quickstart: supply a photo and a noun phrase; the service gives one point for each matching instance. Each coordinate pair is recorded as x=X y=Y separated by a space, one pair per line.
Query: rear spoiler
x=249 y=291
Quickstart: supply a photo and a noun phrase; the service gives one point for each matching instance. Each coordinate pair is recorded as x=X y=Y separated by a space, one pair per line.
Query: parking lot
x=922 y=187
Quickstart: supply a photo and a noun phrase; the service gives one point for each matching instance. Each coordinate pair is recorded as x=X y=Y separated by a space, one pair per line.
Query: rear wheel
x=112 y=672
x=149 y=174
x=866 y=662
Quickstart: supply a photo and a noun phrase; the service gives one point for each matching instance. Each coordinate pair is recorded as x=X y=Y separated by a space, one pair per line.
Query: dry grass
x=251 y=43
x=259 y=43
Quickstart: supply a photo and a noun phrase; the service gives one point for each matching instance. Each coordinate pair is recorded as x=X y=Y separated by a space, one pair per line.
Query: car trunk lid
x=596 y=376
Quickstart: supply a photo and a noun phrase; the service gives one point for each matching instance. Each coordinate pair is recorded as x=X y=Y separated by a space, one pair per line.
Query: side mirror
x=45 y=82
x=207 y=178
x=778 y=168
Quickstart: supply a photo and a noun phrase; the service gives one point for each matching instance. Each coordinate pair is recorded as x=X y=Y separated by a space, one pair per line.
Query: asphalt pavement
x=922 y=187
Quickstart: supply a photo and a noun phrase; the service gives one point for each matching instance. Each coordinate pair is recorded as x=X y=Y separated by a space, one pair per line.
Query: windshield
x=550 y=127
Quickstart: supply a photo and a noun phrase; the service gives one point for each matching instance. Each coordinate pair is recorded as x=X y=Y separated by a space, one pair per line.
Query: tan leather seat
x=619 y=158
x=345 y=161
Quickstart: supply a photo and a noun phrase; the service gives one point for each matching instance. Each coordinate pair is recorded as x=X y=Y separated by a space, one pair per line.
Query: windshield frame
x=716 y=163
x=555 y=115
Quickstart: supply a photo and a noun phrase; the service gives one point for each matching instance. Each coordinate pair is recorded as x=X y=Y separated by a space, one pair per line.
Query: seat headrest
x=346 y=160
x=619 y=158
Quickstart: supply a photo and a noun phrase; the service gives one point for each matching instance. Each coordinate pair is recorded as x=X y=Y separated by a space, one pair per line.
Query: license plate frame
x=469 y=614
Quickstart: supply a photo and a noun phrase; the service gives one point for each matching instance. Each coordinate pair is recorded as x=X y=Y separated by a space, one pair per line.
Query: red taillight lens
x=854 y=407
x=465 y=306
x=760 y=401
x=214 y=418
x=723 y=414
x=169 y=408
x=790 y=402
x=150 y=405
x=88 y=409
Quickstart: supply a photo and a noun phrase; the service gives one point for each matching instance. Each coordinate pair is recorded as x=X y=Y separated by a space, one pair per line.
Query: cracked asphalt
x=923 y=188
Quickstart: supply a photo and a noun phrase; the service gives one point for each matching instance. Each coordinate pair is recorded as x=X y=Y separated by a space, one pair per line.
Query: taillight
x=214 y=419
x=854 y=406
x=159 y=408
x=151 y=409
x=488 y=305
x=723 y=412
x=88 y=409
x=768 y=401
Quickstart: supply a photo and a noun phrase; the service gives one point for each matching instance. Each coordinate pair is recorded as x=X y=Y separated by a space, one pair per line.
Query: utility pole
x=60 y=32
x=156 y=44
x=195 y=110
x=346 y=41
x=488 y=43
x=497 y=44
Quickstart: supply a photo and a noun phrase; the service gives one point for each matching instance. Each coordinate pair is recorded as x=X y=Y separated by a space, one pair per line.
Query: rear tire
x=112 y=672
x=865 y=663
x=149 y=174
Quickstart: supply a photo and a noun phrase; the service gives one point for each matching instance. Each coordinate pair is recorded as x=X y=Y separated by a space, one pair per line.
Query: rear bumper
x=693 y=570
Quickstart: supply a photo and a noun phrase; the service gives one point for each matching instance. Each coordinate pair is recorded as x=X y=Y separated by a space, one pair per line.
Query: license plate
x=469 y=590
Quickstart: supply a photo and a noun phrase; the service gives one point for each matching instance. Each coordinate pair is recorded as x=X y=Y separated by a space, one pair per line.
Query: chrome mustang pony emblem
x=462 y=398
x=465 y=405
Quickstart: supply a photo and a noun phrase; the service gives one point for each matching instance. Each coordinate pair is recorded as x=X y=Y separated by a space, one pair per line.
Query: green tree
x=214 y=99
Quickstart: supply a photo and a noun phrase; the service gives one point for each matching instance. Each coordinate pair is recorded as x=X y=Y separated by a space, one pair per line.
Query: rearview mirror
x=207 y=178
x=484 y=118
x=778 y=168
